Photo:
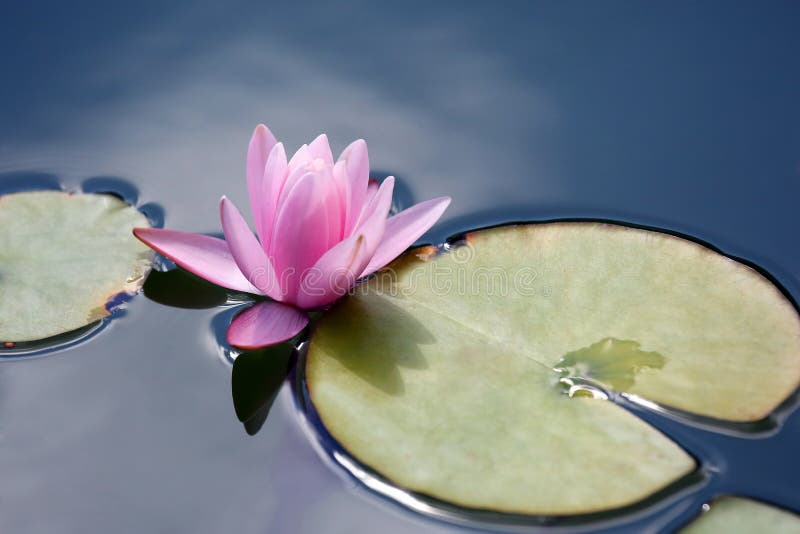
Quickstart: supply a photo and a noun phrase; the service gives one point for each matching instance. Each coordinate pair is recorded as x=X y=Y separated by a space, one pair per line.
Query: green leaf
x=63 y=257
x=737 y=515
x=446 y=372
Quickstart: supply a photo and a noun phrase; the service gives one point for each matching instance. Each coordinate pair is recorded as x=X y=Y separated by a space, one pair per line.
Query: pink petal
x=247 y=252
x=333 y=208
x=291 y=180
x=261 y=144
x=373 y=227
x=301 y=158
x=372 y=189
x=356 y=159
x=207 y=257
x=337 y=270
x=320 y=148
x=343 y=187
x=333 y=274
x=265 y=324
x=275 y=176
x=405 y=228
x=330 y=200
x=300 y=235
x=375 y=201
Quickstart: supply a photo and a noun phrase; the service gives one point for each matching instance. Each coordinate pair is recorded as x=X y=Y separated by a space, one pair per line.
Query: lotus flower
x=321 y=225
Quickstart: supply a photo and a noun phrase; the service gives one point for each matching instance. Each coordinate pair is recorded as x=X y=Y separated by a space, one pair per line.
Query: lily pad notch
x=457 y=394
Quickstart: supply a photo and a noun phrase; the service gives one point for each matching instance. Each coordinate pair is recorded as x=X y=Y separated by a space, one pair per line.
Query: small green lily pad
x=733 y=515
x=446 y=372
x=62 y=258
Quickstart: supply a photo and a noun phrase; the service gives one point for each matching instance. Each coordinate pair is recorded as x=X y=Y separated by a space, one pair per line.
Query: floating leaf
x=446 y=372
x=63 y=258
x=735 y=514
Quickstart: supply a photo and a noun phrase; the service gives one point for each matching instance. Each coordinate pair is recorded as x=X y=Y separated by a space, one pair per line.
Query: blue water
x=683 y=116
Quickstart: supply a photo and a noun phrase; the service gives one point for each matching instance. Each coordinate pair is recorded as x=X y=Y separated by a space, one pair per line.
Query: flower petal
x=265 y=324
x=372 y=189
x=320 y=148
x=374 y=201
x=356 y=158
x=246 y=250
x=294 y=175
x=261 y=144
x=300 y=234
x=205 y=256
x=301 y=158
x=343 y=186
x=333 y=208
x=338 y=269
x=374 y=225
x=405 y=228
x=333 y=274
x=275 y=175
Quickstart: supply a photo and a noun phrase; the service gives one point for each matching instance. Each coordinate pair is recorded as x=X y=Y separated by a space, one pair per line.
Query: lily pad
x=63 y=257
x=735 y=514
x=446 y=373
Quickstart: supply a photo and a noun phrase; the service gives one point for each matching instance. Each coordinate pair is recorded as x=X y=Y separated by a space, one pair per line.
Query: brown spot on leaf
x=426 y=253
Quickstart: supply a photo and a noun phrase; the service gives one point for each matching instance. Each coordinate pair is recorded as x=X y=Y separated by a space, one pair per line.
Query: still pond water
x=684 y=117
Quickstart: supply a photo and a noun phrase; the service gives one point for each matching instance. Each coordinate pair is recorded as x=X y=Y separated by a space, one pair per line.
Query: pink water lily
x=321 y=225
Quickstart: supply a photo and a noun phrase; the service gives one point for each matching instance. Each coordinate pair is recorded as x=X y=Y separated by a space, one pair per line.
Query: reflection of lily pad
x=440 y=373
x=734 y=514
x=63 y=257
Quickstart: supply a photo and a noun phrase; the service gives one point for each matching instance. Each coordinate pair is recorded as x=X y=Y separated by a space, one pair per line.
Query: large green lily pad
x=62 y=258
x=735 y=515
x=446 y=373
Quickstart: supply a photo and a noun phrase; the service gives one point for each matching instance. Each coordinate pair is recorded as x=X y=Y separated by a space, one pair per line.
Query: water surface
x=683 y=116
